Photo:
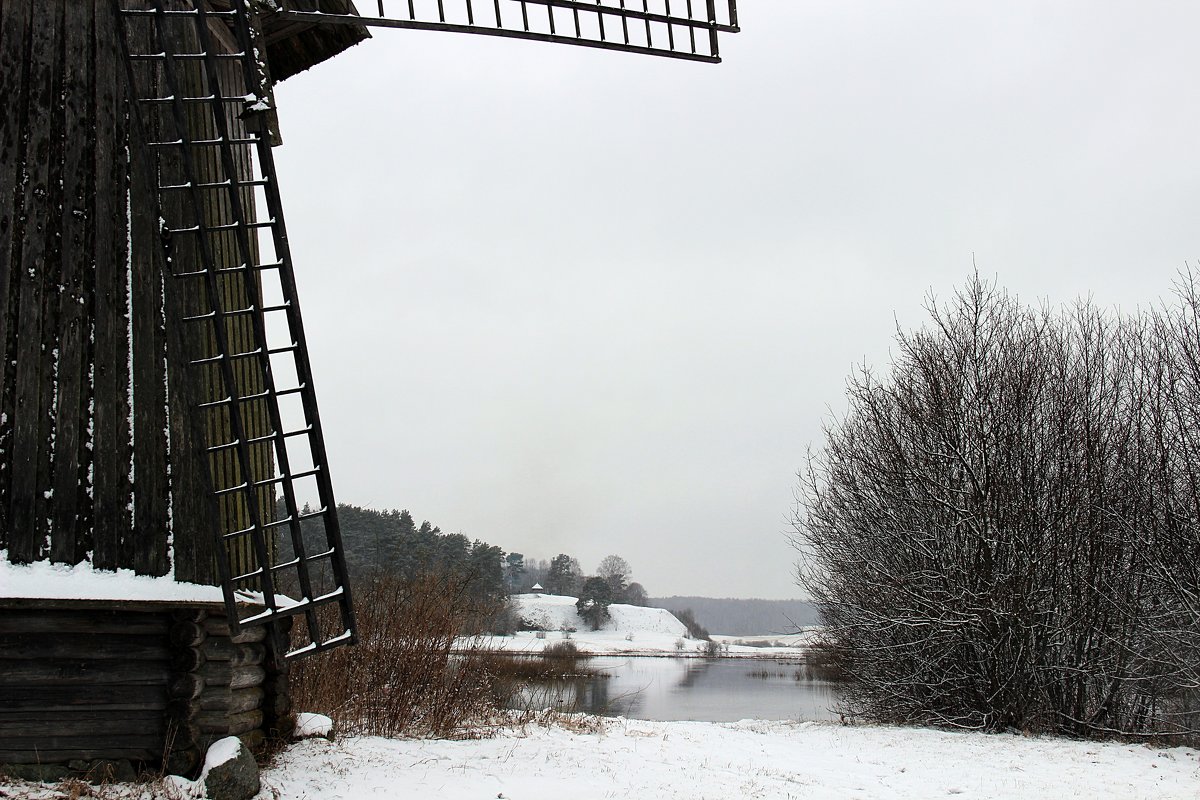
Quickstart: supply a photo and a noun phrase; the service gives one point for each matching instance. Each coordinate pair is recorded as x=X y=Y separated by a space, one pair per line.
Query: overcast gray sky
x=567 y=300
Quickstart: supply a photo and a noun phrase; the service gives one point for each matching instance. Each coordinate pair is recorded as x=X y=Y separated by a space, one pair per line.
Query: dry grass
x=558 y=662
x=409 y=675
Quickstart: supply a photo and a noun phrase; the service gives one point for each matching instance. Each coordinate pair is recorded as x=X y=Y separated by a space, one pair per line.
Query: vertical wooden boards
x=70 y=511
x=202 y=215
x=102 y=448
x=148 y=364
x=112 y=452
x=82 y=345
x=190 y=504
x=216 y=209
x=151 y=481
x=36 y=274
x=15 y=21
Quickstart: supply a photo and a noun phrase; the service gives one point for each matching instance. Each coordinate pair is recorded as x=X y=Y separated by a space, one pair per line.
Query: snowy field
x=695 y=760
x=604 y=758
x=632 y=630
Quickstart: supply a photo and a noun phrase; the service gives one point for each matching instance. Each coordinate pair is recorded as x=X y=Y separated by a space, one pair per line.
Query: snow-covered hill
x=633 y=630
x=552 y=612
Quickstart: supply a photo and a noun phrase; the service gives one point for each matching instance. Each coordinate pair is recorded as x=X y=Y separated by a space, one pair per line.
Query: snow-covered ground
x=603 y=758
x=694 y=760
x=632 y=630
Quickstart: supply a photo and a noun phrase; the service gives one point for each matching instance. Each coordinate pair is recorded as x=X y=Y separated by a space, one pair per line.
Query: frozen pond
x=708 y=689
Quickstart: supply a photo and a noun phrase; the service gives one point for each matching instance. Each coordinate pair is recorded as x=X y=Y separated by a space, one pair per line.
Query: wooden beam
x=91 y=750
x=90 y=698
x=216 y=673
x=15 y=22
x=233 y=702
x=222 y=649
x=37 y=266
x=82 y=621
x=84 y=647
x=37 y=725
x=78 y=672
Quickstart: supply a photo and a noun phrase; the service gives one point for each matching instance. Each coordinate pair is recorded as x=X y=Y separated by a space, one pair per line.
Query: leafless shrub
x=561 y=651
x=1002 y=533
x=410 y=674
x=559 y=661
x=822 y=662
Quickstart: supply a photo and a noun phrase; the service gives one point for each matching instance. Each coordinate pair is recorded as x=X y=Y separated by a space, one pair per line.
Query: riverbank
x=619 y=643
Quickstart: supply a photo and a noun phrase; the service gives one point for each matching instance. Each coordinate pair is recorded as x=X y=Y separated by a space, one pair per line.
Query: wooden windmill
x=157 y=409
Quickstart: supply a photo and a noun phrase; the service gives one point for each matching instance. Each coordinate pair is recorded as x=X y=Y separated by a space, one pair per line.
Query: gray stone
x=234 y=779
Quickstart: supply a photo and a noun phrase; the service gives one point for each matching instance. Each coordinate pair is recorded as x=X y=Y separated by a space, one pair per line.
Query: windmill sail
x=687 y=29
x=202 y=111
x=202 y=128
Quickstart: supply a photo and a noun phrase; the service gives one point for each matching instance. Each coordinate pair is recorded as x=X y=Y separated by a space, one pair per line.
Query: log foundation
x=152 y=683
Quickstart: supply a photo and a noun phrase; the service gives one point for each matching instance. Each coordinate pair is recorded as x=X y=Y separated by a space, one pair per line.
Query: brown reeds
x=411 y=673
x=557 y=662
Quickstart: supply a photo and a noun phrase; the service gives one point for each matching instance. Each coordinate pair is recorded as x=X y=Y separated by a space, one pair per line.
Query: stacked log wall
x=228 y=685
x=154 y=686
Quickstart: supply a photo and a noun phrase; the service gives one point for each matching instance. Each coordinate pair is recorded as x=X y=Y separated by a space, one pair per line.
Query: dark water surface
x=706 y=689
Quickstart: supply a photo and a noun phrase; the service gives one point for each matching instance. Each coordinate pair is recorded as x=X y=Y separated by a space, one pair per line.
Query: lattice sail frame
x=202 y=103
x=202 y=107
x=687 y=29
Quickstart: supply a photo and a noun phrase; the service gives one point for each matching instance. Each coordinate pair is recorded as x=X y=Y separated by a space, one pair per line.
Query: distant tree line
x=391 y=544
x=1003 y=532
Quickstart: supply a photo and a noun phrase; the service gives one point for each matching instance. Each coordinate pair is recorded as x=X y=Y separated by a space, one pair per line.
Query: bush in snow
x=1004 y=532
x=561 y=651
x=410 y=673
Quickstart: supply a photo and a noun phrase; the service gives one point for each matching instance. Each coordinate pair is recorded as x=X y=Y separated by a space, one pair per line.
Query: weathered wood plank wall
x=99 y=452
x=89 y=683
x=83 y=684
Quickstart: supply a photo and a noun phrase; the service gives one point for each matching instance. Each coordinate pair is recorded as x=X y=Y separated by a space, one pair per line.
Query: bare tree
x=975 y=529
x=635 y=595
x=616 y=572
